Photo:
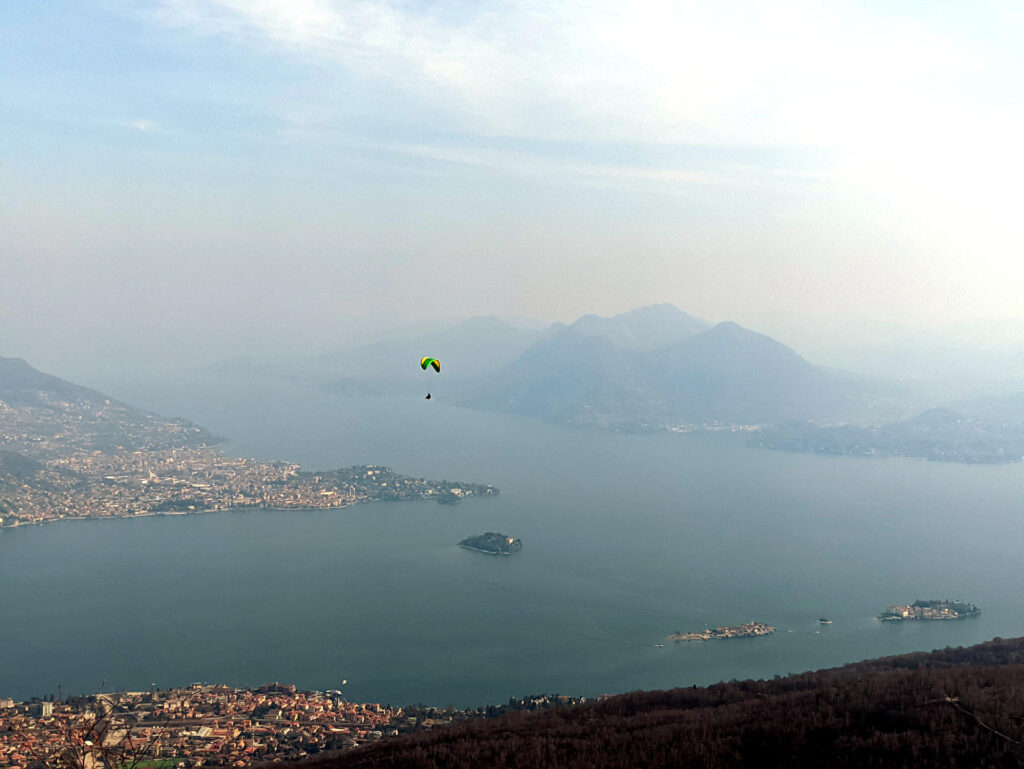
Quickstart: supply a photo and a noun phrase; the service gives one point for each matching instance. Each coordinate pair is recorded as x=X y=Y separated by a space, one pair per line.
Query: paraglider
x=433 y=363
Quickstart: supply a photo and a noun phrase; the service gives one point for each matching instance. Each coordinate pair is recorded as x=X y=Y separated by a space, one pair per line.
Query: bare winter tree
x=101 y=734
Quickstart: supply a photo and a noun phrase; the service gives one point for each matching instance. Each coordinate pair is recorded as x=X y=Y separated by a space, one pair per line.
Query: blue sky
x=220 y=175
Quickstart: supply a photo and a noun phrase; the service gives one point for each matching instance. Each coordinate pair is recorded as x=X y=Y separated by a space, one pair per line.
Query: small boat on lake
x=824 y=621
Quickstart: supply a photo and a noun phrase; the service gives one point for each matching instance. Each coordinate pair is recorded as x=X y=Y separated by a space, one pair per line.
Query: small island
x=929 y=610
x=492 y=543
x=726 y=631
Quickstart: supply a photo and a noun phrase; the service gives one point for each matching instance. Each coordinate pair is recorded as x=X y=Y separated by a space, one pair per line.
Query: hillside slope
x=22 y=385
x=643 y=329
x=42 y=415
x=947 y=708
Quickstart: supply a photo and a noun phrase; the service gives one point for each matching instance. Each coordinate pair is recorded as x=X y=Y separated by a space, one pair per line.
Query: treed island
x=492 y=543
x=68 y=452
x=931 y=610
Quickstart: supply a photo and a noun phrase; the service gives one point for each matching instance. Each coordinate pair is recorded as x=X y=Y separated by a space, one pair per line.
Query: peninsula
x=726 y=631
x=492 y=543
x=929 y=610
x=937 y=435
x=67 y=453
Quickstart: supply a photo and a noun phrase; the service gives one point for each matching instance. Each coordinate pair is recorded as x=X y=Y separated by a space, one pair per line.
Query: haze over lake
x=626 y=539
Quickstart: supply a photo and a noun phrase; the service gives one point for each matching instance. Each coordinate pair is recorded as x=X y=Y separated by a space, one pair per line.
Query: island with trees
x=929 y=610
x=492 y=543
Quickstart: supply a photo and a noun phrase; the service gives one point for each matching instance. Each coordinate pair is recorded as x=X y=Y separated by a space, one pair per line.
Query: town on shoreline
x=217 y=725
x=74 y=459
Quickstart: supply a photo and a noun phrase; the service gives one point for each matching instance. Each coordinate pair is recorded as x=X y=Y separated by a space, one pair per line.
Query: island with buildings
x=492 y=543
x=929 y=610
x=746 y=630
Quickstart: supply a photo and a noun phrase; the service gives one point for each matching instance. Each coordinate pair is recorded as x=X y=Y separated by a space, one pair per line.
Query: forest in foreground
x=955 y=707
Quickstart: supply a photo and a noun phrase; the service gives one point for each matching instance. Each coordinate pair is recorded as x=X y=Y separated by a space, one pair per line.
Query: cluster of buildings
x=52 y=427
x=84 y=463
x=192 y=727
x=712 y=427
x=204 y=725
x=929 y=610
x=422 y=717
x=745 y=630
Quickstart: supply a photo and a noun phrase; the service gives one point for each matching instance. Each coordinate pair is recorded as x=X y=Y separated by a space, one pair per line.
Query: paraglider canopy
x=432 y=362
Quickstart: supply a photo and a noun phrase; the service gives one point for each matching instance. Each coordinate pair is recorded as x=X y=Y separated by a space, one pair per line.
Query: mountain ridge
x=722 y=374
x=20 y=384
x=645 y=328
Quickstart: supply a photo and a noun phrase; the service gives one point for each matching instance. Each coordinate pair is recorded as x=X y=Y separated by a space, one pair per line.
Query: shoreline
x=480 y=550
x=180 y=514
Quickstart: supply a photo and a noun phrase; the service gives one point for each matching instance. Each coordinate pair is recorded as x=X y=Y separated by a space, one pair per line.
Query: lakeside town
x=75 y=459
x=216 y=725
x=937 y=435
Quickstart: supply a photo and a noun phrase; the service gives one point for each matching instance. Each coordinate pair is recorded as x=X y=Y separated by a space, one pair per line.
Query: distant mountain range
x=652 y=368
x=658 y=366
x=644 y=329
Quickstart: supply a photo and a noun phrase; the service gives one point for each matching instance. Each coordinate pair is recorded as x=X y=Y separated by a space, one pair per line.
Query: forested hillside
x=949 y=708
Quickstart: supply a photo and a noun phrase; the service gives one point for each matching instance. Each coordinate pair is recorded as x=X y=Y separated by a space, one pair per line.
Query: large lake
x=626 y=539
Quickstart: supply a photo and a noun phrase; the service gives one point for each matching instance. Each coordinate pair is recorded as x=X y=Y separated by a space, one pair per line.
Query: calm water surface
x=626 y=539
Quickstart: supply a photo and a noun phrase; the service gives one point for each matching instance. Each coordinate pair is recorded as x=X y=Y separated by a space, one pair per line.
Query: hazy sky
x=192 y=172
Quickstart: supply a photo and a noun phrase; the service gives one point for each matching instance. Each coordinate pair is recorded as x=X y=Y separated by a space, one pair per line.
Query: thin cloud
x=143 y=126
x=519 y=163
x=916 y=103
x=790 y=72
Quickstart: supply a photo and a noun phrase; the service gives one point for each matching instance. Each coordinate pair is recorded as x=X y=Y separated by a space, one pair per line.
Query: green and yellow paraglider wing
x=433 y=362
